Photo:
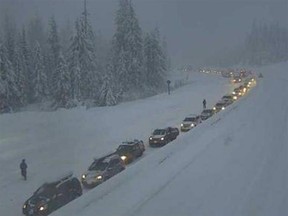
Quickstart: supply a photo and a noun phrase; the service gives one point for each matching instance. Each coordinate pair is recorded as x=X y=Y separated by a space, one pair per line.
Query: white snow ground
x=233 y=164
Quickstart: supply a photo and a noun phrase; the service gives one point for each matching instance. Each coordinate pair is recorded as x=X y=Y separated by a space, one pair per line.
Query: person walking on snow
x=23 y=167
x=204 y=104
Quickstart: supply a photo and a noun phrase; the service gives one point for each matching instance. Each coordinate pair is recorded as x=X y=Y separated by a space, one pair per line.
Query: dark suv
x=53 y=195
x=130 y=150
x=102 y=169
x=163 y=136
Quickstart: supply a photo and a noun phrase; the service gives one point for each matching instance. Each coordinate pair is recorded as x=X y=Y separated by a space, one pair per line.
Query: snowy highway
x=235 y=163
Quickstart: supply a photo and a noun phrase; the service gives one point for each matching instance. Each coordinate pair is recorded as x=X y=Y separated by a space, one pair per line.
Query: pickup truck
x=163 y=136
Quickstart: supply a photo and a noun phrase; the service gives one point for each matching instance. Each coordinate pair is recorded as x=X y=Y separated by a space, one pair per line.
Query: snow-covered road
x=233 y=164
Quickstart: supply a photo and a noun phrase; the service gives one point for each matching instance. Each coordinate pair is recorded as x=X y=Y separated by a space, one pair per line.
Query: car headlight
x=83 y=176
x=192 y=125
x=235 y=97
x=214 y=108
x=162 y=138
x=99 y=177
x=233 y=92
x=150 y=138
x=223 y=108
x=182 y=125
x=123 y=157
x=43 y=207
x=24 y=206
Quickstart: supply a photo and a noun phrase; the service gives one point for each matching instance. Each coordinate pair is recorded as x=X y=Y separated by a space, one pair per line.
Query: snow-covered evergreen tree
x=9 y=94
x=62 y=85
x=81 y=60
x=25 y=58
x=53 y=55
x=74 y=64
x=128 y=48
x=66 y=33
x=166 y=55
x=20 y=73
x=9 y=38
x=94 y=70
x=155 y=62
x=39 y=77
x=107 y=96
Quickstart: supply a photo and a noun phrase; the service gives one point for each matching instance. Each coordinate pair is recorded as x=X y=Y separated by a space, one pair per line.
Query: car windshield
x=46 y=190
x=190 y=119
x=124 y=148
x=220 y=104
x=227 y=97
x=98 y=165
x=159 y=132
x=207 y=111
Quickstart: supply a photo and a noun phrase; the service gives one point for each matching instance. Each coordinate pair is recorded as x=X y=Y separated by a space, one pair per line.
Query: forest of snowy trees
x=266 y=44
x=73 y=65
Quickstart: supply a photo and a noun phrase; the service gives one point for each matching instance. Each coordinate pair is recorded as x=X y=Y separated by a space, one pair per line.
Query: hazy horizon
x=194 y=30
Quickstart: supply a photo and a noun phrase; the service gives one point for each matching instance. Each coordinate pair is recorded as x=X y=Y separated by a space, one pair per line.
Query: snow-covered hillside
x=232 y=164
x=56 y=142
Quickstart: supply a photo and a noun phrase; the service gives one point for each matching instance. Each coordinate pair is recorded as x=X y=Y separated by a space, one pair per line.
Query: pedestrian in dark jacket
x=204 y=104
x=23 y=167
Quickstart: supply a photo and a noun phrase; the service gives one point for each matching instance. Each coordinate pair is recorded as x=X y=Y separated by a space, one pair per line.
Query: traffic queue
x=53 y=195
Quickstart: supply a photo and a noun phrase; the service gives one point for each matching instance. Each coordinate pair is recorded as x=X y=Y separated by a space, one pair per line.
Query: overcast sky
x=194 y=29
